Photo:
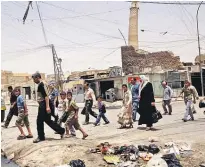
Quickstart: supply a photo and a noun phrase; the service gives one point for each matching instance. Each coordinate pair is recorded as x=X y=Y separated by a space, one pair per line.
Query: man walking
x=89 y=98
x=13 y=109
x=135 y=98
x=197 y=96
x=44 y=111
x=190 y=96
x=167 y=97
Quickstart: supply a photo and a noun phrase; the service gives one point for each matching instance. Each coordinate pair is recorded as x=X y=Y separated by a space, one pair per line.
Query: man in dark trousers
x=44 y=111
x=89 y=99
x=13 y=109
x=53 y=98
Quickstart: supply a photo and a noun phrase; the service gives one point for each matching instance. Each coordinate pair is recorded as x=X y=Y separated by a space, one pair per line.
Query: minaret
x=133 y=25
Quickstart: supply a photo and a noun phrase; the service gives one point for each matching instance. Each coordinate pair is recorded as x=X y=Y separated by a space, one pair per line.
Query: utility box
x=78 y=93
x=110 y=95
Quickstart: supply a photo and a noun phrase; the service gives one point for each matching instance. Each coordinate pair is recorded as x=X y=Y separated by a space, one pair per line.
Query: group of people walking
x=140 y=99
x=137 y=101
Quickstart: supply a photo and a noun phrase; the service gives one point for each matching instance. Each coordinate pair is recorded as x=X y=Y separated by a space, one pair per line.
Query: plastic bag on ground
x=157 y=162
x=171 y=160
x=77 y=163
x=153 y=148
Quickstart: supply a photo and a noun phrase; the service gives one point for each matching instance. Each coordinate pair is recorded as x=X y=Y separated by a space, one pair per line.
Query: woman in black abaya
x=146 y=103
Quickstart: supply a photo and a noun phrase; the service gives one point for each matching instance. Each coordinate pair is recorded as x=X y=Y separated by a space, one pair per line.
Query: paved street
x=170 y=128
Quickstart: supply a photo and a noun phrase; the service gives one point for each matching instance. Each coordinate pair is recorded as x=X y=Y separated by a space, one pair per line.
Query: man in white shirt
x=89 y=99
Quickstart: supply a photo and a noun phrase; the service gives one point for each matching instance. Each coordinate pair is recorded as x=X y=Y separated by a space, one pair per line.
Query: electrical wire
x=169 y=3
x=84 y=15
x=56 y=6
x=93 y=32
x=27 y=50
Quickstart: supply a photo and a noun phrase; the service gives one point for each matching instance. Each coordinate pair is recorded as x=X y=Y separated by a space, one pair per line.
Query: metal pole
x=123 y=37
x=44 y=33
x=200 y=56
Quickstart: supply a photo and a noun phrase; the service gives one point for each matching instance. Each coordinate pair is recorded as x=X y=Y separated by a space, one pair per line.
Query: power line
x=93 y=32
x=43 y=29
x=110 y=53
x=20 y=33
x=187 y=14
x=170 y=3
x=27 y=50
x=83 y=45
x=84 y=15
x=79 y=13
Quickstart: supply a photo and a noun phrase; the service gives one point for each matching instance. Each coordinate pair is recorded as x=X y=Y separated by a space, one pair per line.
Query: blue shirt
x=53 y=95
x=135 y=92
x=20 y=101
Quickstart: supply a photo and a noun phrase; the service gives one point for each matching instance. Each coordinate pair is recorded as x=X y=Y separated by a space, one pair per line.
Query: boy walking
x=102 y=111
x=22 y=116
x=72 y=119
x=62 y=111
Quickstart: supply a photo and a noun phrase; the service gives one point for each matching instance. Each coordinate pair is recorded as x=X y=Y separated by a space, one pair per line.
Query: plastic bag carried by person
x=202 y=104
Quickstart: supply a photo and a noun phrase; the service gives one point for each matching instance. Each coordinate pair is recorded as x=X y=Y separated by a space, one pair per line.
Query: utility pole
x=200 y=56
x=59 y=77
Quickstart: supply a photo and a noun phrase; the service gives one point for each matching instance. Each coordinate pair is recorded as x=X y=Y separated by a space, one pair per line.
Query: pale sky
x=85 y=34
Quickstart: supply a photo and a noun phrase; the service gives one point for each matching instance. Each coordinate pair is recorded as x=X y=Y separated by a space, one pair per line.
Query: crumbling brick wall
x=133 y=62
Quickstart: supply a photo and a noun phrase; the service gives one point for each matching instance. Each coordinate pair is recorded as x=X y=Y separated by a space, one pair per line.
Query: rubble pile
x=143 y=155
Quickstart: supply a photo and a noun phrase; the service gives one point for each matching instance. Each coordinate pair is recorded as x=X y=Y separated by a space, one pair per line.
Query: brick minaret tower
x=133 y=26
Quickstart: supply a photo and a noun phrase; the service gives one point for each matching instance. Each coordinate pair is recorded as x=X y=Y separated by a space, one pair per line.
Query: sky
x=86 y=36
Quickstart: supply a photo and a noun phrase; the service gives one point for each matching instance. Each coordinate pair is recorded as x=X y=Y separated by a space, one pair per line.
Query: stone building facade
x=135 y=62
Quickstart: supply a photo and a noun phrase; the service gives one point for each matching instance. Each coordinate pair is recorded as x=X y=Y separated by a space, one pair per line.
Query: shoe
x=170 y=113
x=62 y=134
x=148 y=128
x=95 y=124
x=194 y=112
x=184 y=120
x=29 y=136
x=4 y=126
x=85 y=137
x=106 y=123
x=165 y=113
x=38 y=140
x=85 y=123
x=21 y=137
x=191 y=119
x=73 y=134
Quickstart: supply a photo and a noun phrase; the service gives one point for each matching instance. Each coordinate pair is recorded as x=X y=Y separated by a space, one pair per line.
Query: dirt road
x=55 y=152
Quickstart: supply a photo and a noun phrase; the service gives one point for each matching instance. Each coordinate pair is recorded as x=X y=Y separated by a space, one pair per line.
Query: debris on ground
x=74 y=163
x=143 y=155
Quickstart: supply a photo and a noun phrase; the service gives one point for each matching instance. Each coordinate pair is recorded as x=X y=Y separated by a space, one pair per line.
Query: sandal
x=85 y=137
x=21 y=137
x=148 y=128
x=29 y=136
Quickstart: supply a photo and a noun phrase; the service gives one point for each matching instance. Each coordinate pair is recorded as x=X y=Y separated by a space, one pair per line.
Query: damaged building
x=140 y=62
